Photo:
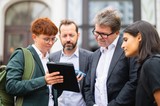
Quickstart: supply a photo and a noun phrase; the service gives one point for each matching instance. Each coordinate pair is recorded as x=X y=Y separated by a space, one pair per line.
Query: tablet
x=67 y=71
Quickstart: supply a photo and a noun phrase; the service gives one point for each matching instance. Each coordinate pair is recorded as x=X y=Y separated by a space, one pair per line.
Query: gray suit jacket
x=84 y=58
x=121 y=82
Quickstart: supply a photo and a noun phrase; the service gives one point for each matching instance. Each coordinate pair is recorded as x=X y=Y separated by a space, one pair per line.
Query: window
x=17 y=24
x=125 y=7
x=83 y=12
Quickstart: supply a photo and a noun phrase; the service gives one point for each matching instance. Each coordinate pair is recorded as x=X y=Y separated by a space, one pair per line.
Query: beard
x=69 y=46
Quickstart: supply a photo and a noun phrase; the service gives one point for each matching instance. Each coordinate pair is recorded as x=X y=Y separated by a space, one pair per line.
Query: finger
x=50 y=78
x=51 y=81
x=55 y=73
x=81 y=77
x=78 y=75
x=56 y=81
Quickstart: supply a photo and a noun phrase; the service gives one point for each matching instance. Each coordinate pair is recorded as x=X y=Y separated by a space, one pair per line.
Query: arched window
x=17 y=24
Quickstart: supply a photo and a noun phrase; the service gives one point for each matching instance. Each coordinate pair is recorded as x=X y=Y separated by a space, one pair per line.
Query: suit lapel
x=117 y=53
x=95 y=60
x=36 y=58
x=82 y=61
x=57 y=57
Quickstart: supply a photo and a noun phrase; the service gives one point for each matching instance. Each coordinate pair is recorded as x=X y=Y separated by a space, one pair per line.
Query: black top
x=149 y=82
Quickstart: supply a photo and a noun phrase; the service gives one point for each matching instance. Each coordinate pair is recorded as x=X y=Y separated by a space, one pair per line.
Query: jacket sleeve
x=127 y=94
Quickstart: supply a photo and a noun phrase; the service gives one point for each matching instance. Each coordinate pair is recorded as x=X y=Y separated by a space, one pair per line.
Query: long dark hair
x=150 y=43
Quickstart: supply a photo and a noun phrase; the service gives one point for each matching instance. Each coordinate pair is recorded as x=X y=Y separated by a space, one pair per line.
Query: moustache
x=68 y=43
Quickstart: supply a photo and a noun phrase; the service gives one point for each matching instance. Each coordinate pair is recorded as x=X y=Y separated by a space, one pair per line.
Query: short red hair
x=43 y=26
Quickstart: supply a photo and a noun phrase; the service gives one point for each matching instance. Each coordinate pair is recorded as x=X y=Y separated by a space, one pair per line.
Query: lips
x=125 y=51
x=68 y=44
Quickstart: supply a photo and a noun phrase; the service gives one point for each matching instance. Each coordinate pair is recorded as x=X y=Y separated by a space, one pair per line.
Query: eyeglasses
x=103 y=35
x=47 y=40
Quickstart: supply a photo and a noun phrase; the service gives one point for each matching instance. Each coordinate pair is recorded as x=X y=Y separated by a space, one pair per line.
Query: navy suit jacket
x=84 y=58
x=121 y=82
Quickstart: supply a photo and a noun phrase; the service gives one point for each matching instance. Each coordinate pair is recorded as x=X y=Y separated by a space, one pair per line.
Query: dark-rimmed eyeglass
x=48 y=40
x=103 y=35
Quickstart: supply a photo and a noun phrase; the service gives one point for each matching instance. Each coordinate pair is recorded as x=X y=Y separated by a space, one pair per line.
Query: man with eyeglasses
x=69 y=35
x=112 y=77
x=36 y=91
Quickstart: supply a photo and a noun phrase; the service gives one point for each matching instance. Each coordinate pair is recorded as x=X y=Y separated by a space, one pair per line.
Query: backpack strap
x=29 y=66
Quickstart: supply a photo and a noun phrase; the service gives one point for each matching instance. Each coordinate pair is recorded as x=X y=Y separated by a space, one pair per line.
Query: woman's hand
x=157 y=97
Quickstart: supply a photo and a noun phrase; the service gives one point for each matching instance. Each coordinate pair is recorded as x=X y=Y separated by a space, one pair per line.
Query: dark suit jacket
x=121 y=82
x=84 y=57
x=34 y=91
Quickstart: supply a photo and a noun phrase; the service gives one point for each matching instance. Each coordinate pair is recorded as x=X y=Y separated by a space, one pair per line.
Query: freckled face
x=130 y=44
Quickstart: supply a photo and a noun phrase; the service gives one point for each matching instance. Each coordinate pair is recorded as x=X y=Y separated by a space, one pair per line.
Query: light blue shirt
x=69 y=98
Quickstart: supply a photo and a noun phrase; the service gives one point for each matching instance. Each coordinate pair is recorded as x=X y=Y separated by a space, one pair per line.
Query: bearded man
x=68 y=35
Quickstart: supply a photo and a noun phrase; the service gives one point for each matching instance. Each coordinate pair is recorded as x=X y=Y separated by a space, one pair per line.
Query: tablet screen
x=67 y=71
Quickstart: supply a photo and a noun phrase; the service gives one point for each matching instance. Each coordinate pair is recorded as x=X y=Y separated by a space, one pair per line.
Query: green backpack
x=6 y=99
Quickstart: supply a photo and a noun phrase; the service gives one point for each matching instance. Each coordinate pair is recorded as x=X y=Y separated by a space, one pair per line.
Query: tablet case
x=67 y=71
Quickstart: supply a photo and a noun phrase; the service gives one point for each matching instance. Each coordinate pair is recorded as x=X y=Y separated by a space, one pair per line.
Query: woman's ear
x=139 y=36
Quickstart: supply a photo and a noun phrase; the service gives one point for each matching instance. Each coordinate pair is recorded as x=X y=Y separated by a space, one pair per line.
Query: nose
x=99 y=37
x=51 y=42
x=68 y=38
x=122 y=46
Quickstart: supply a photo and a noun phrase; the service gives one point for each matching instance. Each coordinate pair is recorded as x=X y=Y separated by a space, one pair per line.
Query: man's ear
x=78 y=34
x=117 y=32
x=34 y=37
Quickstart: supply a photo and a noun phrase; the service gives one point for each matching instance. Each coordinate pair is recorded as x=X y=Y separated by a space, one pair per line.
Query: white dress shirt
x=69 y=98
x=44 y=61
x=101 y=98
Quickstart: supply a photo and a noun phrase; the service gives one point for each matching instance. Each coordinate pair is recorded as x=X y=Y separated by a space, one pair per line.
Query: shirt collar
x=112 y=45
x=39 y=52
x=76 y=53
